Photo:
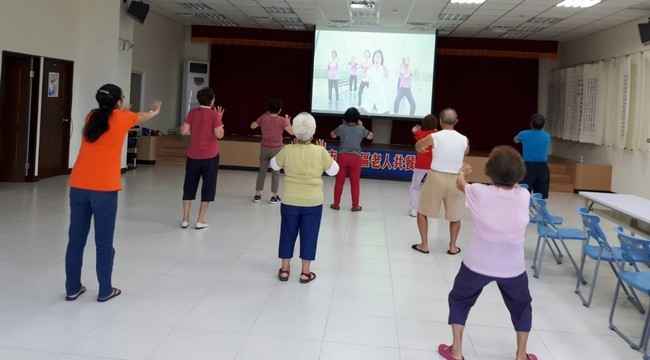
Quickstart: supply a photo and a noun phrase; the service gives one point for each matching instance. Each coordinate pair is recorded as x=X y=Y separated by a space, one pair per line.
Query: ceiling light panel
x=578 y=3
x=514 y=35
x=469 y=2
x=296 y=27
x=545 y=20
x=210 y=16
x=225 y=23
x=458 y=17
x=194 y=6
x=278 y=10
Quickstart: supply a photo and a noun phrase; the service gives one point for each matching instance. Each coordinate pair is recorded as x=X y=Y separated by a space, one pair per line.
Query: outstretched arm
x=154 y=109
x=288 y=128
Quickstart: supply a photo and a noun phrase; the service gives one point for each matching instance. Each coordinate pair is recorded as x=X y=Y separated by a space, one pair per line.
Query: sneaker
x=275 y=199
x=257 y=198
x=413 y=212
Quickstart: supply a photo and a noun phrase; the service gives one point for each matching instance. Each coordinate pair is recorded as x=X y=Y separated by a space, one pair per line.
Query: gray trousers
x=266 y=154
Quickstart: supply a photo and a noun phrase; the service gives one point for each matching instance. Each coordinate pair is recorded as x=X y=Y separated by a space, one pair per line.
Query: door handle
x=66 y=120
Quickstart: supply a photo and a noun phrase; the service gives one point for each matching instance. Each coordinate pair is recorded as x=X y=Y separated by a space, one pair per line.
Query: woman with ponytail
x=94 y=184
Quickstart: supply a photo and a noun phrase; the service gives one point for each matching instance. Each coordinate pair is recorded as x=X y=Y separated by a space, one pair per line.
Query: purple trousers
x=468 y=285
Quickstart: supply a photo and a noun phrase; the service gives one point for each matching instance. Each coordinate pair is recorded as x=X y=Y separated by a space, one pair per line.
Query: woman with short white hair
x=302 y=197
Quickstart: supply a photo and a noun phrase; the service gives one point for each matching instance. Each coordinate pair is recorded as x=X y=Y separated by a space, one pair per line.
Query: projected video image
x=381 y=74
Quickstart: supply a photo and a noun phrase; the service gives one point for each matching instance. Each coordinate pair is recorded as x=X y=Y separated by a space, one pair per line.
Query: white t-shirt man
x=448 y=151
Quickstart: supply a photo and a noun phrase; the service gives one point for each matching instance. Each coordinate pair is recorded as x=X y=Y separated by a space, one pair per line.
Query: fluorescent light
x=467 y=1
x=578 y=3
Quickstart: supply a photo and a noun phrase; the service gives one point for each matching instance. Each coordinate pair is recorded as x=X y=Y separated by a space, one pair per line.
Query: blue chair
x=601 y=251
x=547 y=231
x=633 y=248
x=534 y=218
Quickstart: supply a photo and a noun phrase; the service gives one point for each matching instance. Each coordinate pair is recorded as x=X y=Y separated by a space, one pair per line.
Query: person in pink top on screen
x=204 y=126
x=333 y=76
x=354 y=65
x=405 y=74
x=496 y=249
x=364 y=65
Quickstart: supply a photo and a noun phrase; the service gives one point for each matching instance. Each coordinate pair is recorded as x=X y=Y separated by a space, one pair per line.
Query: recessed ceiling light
x=467 y=1
x=578 y=3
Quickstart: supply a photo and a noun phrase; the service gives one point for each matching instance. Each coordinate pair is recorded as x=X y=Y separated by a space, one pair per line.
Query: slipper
x=116 y=292
x=356 y=208
x=311 y=276
x=415 y=247
x=75 y=296
x=445 y=352
x=335 y=207
x=531 y=357
x=282 y=272
x=451 y=253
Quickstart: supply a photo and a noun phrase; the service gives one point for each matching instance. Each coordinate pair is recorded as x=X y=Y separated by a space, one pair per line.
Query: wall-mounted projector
x=362 y=4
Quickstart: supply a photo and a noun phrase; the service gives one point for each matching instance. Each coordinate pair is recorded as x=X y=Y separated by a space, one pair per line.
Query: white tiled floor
x=213 y=294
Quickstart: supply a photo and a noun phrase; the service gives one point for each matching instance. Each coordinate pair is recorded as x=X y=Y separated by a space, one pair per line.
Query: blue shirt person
x=535 y=143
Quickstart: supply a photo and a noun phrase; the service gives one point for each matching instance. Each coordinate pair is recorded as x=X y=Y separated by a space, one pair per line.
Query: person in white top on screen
x=449 y=149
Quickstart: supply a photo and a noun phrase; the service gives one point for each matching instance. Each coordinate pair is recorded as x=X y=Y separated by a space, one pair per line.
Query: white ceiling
x=518 y=19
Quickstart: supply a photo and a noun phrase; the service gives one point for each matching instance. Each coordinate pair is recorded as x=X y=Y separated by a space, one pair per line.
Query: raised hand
x=321 y=142
x=155 y=106
x=220 y=110
x=466 y=169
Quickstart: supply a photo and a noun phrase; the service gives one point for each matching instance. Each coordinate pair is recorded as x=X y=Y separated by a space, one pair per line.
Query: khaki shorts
x=439 y=188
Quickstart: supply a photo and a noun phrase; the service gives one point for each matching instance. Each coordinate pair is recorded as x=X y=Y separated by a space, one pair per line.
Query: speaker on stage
x=644 y=32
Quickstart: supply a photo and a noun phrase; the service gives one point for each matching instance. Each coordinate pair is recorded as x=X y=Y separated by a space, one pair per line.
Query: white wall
x=631 y=169
x=82 y=31
x=86 y=32
x=159 y=54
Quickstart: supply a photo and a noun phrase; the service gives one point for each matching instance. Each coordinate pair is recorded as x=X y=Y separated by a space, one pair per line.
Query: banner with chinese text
x=384 y=164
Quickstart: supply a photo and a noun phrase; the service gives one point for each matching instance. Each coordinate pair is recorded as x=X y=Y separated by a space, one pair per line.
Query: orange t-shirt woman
x=94 y=184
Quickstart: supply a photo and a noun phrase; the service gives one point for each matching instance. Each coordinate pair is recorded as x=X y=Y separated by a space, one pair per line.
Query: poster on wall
x=53 y=85
x=589 y=122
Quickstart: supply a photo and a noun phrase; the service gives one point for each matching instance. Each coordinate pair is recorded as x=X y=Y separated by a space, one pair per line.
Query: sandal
x=281 y=273
x=116 y=292
x=310 y=276
x=531 y=357
x=75 y=296
x=445 y=352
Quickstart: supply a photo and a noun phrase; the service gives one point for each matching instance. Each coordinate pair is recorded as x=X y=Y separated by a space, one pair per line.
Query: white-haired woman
x=302 y=197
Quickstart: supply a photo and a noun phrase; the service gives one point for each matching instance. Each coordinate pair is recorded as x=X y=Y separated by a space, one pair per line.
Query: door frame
x=65 y=156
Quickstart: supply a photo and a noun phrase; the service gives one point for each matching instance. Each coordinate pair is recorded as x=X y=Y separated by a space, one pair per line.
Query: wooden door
x=17 y=116
x=56 y=107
